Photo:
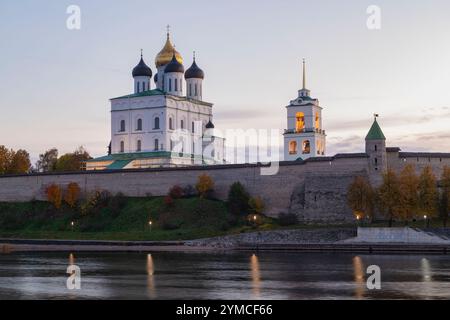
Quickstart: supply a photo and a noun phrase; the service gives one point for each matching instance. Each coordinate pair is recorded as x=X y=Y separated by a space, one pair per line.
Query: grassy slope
x=186 y=219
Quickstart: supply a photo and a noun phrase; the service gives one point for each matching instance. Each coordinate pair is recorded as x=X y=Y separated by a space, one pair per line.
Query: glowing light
x=425 y=217
x=150 y=223
x=254 y=217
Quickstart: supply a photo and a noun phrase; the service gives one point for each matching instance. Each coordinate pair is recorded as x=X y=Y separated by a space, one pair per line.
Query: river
x=223 y=275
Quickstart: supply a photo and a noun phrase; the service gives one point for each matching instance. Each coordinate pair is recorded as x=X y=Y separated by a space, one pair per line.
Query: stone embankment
x=283 y=237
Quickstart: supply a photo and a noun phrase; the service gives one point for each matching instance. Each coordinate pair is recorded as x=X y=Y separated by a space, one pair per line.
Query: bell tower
x=304 y=137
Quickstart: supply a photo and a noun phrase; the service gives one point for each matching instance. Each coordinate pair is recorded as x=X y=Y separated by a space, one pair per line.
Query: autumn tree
x=409 y=196
x=14 y=162
x=72 y=194
x=47 y=161
x=73 y=161
x=444 y=201
x=238 y=199
x=256 y=205
x=54 y=195
x=5 y=159
x=360 y=197
x=205 y=185
x=388 y=195
x=428 y=193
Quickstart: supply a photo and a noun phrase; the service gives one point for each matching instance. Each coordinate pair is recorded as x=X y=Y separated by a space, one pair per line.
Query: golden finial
x=168 y=31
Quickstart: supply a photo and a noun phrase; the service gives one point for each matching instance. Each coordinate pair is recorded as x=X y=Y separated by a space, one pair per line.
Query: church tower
x=304 y=137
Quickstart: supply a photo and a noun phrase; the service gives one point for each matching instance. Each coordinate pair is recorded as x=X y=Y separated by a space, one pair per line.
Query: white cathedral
x=166 y=127
x=162 y=126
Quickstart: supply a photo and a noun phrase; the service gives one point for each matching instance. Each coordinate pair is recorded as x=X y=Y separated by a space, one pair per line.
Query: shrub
x=256 y=205
x=205 y=185
x=176 y=192
x=287 y=219
x=54 y=195
x=72 y=194
x=168 y=201
x=116 y=204
x=189 y=191
x=238 y=199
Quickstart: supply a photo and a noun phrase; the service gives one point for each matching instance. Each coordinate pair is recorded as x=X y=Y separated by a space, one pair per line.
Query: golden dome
x=166 y=54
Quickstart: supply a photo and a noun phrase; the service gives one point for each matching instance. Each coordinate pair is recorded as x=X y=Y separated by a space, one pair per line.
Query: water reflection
x=358 y=271
x=427 y=279
x=71 y=259
x=256 y=276
x=150 y=278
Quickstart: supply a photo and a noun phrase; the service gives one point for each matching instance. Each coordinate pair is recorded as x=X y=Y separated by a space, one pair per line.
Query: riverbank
x=295 y=240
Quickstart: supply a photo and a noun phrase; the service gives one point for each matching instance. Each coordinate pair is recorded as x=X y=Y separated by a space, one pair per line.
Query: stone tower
x=376 y=150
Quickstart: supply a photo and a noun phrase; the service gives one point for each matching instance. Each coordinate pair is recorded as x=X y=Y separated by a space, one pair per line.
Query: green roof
x=154 y=92
x=375 y=132
x=119 y=164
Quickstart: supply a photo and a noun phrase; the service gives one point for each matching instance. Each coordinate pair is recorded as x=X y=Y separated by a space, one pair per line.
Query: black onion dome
x=194 y=72
x=174 y=66
x=142 y=70
x=210 y=125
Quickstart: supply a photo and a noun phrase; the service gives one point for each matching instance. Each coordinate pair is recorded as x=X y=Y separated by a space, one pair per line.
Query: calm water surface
x=230 y=275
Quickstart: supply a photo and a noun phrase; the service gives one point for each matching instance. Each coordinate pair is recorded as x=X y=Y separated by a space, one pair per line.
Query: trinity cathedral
x=168 y=125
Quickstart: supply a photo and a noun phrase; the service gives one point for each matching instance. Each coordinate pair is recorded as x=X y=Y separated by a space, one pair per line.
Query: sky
x=56 y=83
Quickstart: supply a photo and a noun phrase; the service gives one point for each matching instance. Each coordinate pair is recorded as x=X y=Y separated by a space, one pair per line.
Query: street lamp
x=150 y=225
x=72 y=224
x=426 y=220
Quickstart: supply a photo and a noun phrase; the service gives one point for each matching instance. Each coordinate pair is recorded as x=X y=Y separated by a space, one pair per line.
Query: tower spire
x=168 y=31
x=304 y=74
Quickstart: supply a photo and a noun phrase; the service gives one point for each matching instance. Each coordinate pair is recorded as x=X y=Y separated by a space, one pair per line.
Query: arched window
x=170 y=123
x=176 y=84
x=122 y=125
x=193 y=127
x=293 y=147
x=181 y=85
x=190 y=89
x=376 y=147
x=182 y=124
x=122 y=147
x=317 y=121
x=138 y=87
x=300 y=122
x=139 y=146
x=195 y=88
x=156 y=124
x=306 y=147
x=376 y=161
x=156 y=144
x=170 y=85
x=139 y=125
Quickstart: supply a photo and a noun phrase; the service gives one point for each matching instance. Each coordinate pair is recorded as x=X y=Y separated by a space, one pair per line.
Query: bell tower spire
x=304 y=92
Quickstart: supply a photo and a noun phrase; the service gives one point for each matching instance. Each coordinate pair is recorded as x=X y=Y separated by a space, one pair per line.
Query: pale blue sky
x=55 y=83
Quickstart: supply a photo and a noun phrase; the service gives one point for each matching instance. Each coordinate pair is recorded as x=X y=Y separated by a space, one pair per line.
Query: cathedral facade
x=165 y=124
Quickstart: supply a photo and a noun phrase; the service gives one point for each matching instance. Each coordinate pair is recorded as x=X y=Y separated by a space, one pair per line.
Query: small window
x=122 y=147
x=139 y=125
x=170 y=85
x=306 y=147
x=190 y=89
x=156 y=144
x=376 y=148
x=138 y=87
x=139 y=146
x=193 y=127
x=293 y=147
x=122 y=125
x=176 y=84
x=376 y=161
x=156 y=124
x=170 y=124
x=195 y=93
x=182 y=124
